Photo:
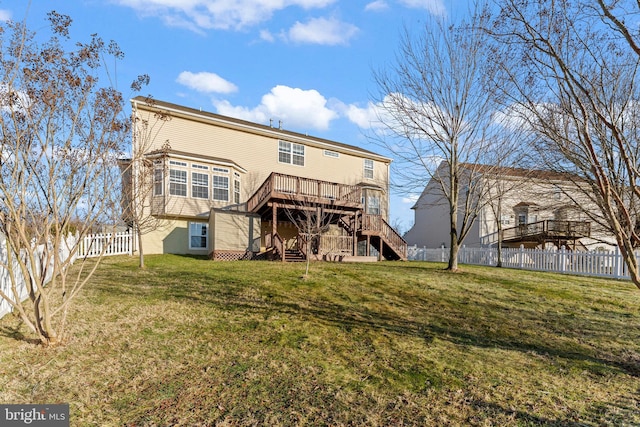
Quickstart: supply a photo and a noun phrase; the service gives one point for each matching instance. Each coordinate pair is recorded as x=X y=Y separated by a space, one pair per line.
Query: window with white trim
x=158 y=178
x=373 y=205
x=368 y=169
x=199 y=185
x=220 y=188
x=236 y=188
x=329 y=153
x=298 y=154
x=557 y=193
x=290 y=153
x=177 y=182
x=198 y=236
x=522 y=218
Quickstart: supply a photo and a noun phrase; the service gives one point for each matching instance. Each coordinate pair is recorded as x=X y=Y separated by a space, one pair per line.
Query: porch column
x=319 y=220
x=274 y=222
x=354 y=233
x=380 y=257
x=274 y=226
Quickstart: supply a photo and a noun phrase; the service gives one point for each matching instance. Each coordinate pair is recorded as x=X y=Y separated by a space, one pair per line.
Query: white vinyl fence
x=93 y=245
x=591 y=263
x=5 y=279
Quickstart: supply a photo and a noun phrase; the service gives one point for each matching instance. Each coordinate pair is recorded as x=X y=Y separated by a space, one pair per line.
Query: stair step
x=294 y=256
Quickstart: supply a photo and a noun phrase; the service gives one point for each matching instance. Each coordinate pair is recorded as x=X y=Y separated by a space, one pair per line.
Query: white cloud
x=297 y=108
x=12 y=100
x=517 y=117
x=373 y=116
x=322 y=31
x=411 y=199
x=206 y=82
x=267 y=36
x=199 y=15
x=376 y=6
x=5 y=15
x=390 y=116
x=434 y=7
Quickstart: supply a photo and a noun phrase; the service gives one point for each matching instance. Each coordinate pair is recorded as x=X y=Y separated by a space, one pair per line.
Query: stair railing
x=278 y=246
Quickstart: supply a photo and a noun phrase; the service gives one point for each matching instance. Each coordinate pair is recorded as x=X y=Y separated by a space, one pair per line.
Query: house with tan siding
x=517 y=207
x=233 y=189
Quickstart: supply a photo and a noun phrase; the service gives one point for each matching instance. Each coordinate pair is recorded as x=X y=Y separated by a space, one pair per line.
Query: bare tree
x=616 y=15
x=61 y=134
x=499 y=188
x=438 y=108
x=311 y=221
x=575 y=67
x=144 y=174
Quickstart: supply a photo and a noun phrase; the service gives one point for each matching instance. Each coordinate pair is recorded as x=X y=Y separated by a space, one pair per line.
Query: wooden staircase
x=379 y=233
x=383 y=237
x=294 y=255
x=280 y=192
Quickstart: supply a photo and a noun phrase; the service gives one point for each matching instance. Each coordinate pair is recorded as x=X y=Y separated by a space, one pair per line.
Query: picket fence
x=590 y=263
x=106 y=244
x=5 y=279
x=90 y=246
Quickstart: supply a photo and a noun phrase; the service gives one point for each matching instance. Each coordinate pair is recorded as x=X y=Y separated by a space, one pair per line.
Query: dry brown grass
x=192 y=342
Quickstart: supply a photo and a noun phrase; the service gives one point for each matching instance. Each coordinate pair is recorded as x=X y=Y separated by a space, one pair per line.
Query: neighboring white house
x=533 y=208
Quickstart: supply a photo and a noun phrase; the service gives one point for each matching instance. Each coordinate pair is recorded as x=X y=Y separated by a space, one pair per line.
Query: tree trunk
x=454 y=244
x=499 y=262
x=46 y=332
x=630 y=260
x=453 y=253
x=140 y=251
x=453 y=216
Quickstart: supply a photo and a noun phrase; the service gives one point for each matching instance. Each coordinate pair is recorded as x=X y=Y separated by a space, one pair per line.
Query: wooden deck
x=280 y=191
x=548 y=230
x=305 y=190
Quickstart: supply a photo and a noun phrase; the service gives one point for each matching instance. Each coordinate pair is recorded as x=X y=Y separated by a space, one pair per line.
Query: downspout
x=134 y=177
x=388 y=191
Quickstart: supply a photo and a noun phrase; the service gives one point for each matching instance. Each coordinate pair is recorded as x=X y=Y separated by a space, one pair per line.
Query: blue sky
x=308 y=63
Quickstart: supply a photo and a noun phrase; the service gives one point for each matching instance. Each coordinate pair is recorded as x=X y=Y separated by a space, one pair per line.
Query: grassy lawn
x=193 y=342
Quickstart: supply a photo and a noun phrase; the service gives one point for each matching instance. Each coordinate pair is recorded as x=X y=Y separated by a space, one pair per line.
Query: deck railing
x=277 y=244
x=377 y=225
x=330 y=244
x=282 y=185
x=548 y=229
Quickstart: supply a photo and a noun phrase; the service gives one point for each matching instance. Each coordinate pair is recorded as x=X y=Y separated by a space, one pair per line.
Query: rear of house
x=233 y=189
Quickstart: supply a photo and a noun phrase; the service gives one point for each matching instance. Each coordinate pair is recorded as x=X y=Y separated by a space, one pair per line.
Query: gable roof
x=244 y=125
x=541 y=174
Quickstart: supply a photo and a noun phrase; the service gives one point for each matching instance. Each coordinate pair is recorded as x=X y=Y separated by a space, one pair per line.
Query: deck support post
x=319 y=225
x=354 y=232
x=274 y=226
